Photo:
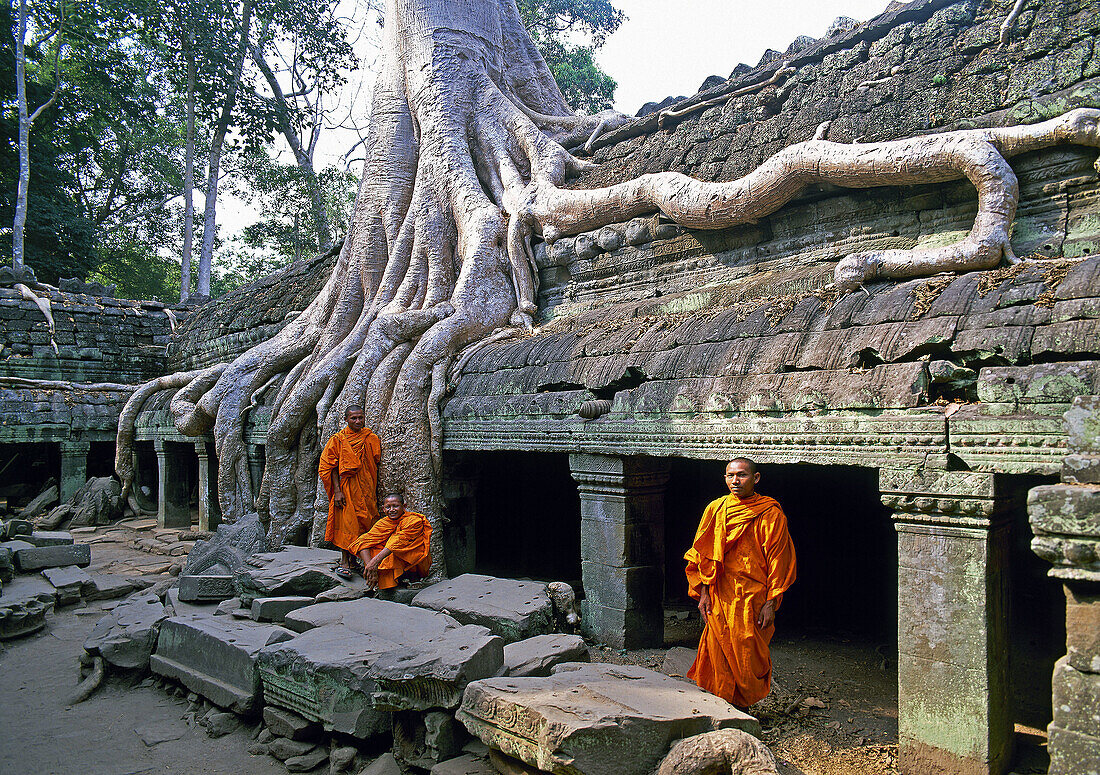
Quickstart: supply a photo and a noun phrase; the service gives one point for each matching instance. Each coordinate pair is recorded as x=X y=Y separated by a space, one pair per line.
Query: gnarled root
x=87 y=687
x=978 y=155
x=723 y=752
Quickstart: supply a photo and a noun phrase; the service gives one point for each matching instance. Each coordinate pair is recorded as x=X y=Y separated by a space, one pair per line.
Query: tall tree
x=50 y=26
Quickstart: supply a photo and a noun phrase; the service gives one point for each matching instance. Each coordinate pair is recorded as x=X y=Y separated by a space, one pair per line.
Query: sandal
x=344 y=573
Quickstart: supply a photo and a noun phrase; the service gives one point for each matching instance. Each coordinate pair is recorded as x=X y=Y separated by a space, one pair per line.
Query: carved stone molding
x=949 y=498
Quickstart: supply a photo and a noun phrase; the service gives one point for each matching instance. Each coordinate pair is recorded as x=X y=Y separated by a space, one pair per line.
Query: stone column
x=74 y=467
x=622 y=547
x=953 y=694
x=210 y=516
x=256 y=460
x=1065 y=520
x=173 y=489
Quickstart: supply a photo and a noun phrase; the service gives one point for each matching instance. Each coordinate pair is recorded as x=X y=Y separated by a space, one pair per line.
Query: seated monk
x=398 y=543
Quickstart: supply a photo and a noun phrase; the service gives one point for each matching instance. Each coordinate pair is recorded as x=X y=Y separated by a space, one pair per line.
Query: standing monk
x=741 y=562
x=349 y=471
x=399 y=542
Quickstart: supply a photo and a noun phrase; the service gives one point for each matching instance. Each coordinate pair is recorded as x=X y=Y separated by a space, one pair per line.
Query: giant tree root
x=87 y=687
x=465 y=162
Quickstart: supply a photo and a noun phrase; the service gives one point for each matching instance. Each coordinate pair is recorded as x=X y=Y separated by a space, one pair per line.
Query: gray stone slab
x=70 y=582
x=296 y=570
x=39 y=557
x=275 y=609
x=15 y=545
x=466 y=764
x=288 y=724
x=215 y=656
x=128 y=634
x=206 y=588
x=598 y=719
x=678 y=660
x=30 y=587
x=7 y=565
x=538 y=655
x=357 y=660
x=512 y=609
x=178 y=607
x=105 y=586
x=13 y=528
x=23 y=616
x=50 y=538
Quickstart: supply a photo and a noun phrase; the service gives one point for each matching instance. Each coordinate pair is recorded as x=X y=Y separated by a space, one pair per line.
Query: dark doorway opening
x=101 y=459
x=1036 y=627
x=525 y=515
x=843 y=536
x=25 y=469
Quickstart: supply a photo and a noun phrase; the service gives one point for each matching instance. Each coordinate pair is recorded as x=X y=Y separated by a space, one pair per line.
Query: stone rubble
x=512 y=609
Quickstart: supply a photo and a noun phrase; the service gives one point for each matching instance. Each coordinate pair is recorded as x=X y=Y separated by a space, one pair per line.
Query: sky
x=669 y=47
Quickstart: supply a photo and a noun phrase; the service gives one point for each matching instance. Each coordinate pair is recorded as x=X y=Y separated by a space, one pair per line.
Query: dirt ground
x=832 y=710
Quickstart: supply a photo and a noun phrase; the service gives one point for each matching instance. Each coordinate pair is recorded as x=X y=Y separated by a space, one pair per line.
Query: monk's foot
x=344 y=572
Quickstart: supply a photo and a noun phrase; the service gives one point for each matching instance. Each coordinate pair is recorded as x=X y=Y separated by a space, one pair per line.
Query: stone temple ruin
x=915 y=432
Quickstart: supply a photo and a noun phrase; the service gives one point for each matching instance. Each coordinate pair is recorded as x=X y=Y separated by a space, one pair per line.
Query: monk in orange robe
x=349 y=472
x=399 y=543
x=739 y=565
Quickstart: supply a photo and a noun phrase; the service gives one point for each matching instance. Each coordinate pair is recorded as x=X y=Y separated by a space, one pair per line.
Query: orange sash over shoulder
x=350 y=458
x=743 y=552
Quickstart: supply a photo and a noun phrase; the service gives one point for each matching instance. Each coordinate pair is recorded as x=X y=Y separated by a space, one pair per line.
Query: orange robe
x=353 y=458
x=409 y=540
x=743 y=552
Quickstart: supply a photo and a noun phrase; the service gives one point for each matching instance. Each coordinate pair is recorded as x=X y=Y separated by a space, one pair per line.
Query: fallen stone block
x=7 y=565
x=306 y=761
x=383 y=765
x=49 y=538
x=296 y=570
x=28 y=587
x=40 y=557
x=105 y=586
x=512 y=609
x=357 y=660
x=283 y=749
x=98 y=502
x=127 y=635
x=177 y=607
x=22 y=617
x=718 y=751
x=215 y=657
x=342 y=758
x=55 y=517
x=466 y=764
x=226 y=607
x=288 y=724
x=275 y=609
x=206 y=588
x=13 y=528
x=598 y=719
x=220 y=724
x=41 y=503
x=538 y=655
x=70 y=583
x=678 y=660
x=15 y=544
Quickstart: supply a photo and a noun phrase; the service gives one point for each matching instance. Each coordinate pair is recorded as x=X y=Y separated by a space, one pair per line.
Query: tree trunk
x=465 y=160
x=20 y=224
x=188 y=181
x=217 y=143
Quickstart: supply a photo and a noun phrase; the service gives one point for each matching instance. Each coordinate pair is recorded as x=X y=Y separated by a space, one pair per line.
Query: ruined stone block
x=206 y=588
x=1076 y=699
x=105 y=586
x=39 y=557
x=22 y=617
x=127 y=635
x=296 y=570
x=537 y=656
x=598 y=719
x=512 y=609
x=285 y=723
x=357 y=660
x=1073 y=753
x=466 y=764
x=1083 y=630
x=1083 y=425
x=1071 y=510
x=1081 y=469
x=70 y=582
x=49 y=538
x=275 y=609
x=216 y=657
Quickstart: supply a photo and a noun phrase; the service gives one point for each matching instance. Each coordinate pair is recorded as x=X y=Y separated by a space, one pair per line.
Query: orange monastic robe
x=409 y=540
x=353 y=457
x=743 y=551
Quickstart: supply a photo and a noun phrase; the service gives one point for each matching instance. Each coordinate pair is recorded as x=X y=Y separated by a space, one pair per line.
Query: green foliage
x=555 y=26
x=137 y=272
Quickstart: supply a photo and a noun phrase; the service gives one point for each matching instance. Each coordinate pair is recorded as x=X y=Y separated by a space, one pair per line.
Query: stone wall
x=98 y=339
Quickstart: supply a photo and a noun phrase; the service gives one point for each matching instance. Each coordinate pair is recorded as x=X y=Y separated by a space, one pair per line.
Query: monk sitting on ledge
x=349 y=472
x=398 y=543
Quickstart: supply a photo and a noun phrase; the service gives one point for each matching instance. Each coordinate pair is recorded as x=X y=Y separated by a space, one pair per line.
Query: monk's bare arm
x=704 y=601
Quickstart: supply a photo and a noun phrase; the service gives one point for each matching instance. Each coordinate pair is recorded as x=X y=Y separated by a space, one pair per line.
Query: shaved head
x=748 y=462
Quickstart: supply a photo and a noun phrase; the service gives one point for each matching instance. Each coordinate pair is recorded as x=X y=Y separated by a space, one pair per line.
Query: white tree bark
x=188 y=179
x=465 y=161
